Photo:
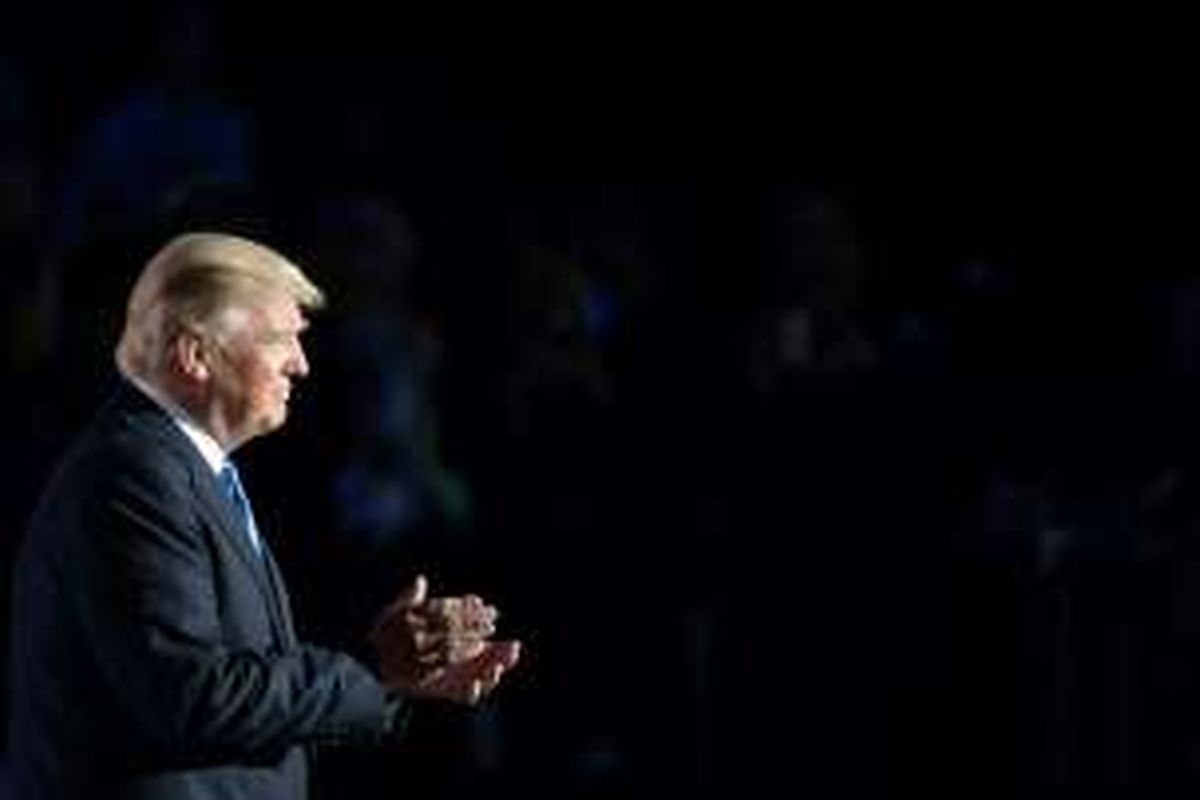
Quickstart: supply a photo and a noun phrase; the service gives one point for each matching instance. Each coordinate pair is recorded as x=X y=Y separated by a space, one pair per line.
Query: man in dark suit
x=153 y=651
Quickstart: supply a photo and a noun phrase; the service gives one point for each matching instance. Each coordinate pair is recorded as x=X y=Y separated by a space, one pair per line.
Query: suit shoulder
x=115 y=457
x=114 y=484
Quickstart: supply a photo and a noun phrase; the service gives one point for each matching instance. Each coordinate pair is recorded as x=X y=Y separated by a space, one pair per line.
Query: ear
x=191 y=357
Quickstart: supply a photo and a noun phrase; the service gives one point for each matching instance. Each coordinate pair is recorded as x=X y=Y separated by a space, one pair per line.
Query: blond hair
x=190 y=283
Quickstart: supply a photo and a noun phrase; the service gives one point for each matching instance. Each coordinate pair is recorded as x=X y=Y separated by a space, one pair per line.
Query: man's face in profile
x=256 y=364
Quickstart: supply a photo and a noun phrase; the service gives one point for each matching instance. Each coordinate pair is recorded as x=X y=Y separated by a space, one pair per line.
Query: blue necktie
x=232 y=485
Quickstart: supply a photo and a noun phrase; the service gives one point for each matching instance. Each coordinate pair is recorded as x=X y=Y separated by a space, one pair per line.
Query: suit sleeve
x=145 y=593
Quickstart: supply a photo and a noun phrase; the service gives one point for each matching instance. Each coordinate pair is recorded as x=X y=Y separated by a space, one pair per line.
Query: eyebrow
x=278 y=332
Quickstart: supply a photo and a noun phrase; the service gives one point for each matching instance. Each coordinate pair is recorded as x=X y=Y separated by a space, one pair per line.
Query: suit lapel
x=282 y=601
x=221 y=516
x=217 y=511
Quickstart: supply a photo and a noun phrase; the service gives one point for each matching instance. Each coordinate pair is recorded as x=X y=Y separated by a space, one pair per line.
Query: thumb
x=411 y=597
x=415 y=594
x=512 y=654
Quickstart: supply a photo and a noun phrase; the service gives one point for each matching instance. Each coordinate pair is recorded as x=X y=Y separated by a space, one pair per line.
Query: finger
x=424 y=643
x=456 y=649
x=481 y=655
x=488 y=665
x=493 y=678
x=436 y=649
x=477 y=606
x=430 y=681
x=506 y=653
x=474 y=608
x=454 y=685
x=481 y=616
x=458 y=615
x=416 y=621
x=441 y=648
x=415 y=594
x=465 y=683
x=463 y=649
x=444 y=607
x=433 y=659
x=412 y=596
x=477 y=617
x=479 y=628
x=442 y=613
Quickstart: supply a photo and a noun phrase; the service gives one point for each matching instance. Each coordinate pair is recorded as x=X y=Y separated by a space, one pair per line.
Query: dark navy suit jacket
x=153 y=652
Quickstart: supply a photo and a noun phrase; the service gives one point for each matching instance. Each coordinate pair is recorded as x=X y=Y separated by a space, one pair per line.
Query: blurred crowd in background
x=818 y=406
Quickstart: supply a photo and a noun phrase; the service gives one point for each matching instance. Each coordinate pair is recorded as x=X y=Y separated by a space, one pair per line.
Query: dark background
x=812 y=388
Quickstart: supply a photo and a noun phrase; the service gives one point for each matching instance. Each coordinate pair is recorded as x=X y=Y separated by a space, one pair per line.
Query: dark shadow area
x=815 y=393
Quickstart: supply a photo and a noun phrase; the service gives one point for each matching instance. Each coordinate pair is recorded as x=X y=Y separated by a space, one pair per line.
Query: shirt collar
x=210 y=450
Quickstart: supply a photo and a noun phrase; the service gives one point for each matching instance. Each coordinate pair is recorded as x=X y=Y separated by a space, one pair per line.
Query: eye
x=275 y=338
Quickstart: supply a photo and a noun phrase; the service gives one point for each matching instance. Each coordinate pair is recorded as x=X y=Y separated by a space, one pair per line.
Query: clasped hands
x=440 y=647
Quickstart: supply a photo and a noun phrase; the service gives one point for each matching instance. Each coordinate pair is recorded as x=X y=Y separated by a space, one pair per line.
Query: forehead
x=278 y=310
x=265 y=314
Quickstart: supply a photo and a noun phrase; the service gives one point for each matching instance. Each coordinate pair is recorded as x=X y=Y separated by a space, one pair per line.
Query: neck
x=191 y=404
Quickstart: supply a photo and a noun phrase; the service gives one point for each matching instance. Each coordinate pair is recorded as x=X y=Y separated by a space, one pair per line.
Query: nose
x=297 y=364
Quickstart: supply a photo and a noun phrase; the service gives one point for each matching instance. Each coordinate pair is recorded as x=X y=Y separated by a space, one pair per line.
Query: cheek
x=266 y=389
x=271 y=389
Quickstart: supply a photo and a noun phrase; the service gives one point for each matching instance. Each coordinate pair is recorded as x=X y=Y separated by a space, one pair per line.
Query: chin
x=272 y=422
